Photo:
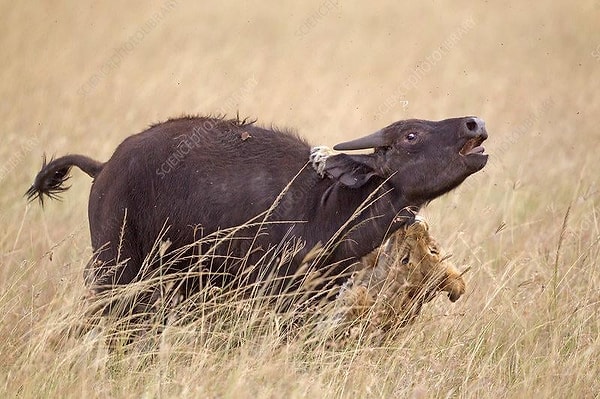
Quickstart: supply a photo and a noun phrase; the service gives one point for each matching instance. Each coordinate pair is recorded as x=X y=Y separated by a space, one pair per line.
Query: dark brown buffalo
x=195 y=176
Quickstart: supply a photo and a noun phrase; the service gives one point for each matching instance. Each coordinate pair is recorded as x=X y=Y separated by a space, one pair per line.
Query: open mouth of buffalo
x=473 y=146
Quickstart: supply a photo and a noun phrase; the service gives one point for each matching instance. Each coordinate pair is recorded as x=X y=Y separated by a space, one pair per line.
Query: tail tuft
x=49 y=182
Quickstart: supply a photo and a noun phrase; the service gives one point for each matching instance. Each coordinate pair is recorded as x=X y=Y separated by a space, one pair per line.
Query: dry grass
x=529 y=322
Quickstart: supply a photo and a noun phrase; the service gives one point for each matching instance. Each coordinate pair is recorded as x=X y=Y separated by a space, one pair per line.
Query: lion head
x=394 y=281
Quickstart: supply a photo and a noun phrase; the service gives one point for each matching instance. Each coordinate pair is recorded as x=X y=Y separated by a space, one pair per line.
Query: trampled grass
x=80 y=78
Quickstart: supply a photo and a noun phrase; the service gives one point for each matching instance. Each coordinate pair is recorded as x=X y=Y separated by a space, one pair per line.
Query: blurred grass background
x=80 y=77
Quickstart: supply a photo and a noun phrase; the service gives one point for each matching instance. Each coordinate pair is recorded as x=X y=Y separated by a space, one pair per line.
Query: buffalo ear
x=352 y=171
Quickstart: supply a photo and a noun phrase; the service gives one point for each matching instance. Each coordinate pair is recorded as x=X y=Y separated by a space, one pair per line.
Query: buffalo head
x=423 y=159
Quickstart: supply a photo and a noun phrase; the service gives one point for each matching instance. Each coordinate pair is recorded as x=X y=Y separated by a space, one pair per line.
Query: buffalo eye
x=411 y=137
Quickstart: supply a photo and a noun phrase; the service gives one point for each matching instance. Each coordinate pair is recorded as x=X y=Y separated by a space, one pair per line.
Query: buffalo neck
x=377 y=209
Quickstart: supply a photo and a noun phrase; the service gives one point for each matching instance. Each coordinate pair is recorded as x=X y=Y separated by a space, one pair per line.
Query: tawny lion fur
x=392 y=283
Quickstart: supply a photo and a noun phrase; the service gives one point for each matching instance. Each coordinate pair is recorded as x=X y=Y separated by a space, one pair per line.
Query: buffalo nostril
x=472 y=125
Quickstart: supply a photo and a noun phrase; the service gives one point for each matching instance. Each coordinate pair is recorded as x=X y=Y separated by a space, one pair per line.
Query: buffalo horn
x=371 y=141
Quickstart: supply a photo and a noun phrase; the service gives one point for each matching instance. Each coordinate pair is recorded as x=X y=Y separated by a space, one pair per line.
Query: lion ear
x=352 y=171
x=421 y=223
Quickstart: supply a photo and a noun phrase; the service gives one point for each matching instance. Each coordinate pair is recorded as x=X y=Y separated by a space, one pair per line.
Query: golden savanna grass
x=80 y=77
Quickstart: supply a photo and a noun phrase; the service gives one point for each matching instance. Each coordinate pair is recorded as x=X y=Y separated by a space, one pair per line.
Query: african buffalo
x=195 y=177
